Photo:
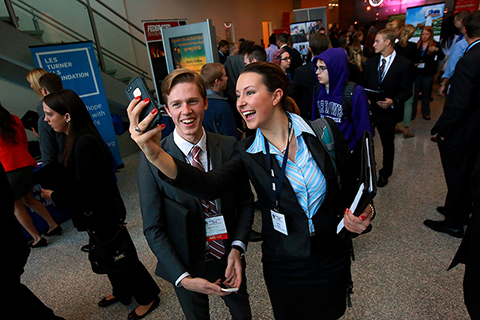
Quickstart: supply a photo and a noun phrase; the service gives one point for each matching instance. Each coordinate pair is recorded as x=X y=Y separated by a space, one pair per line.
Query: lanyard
x=277 y=188
x=471 y=45
x=423 y=50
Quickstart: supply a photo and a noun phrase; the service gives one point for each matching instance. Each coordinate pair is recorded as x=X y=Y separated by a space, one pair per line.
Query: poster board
x=428 y=15
x=77 y=66
x=301 y=32
x=153 y=38
x=190 y=46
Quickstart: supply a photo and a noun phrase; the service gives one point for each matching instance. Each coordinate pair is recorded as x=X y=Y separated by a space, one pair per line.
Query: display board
x=428 y=15
x=190 y=46
x=301 y=33
x=156 y=54
x=76 y=64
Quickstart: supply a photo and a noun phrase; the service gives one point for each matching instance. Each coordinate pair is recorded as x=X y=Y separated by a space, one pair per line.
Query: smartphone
x=225 y=289
x=136 y=88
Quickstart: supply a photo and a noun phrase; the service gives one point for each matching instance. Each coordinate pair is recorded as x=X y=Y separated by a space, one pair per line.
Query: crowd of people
x=246 y=122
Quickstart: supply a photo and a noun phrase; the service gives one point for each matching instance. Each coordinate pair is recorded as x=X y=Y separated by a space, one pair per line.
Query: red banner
x=153 y=29
x=462 y=5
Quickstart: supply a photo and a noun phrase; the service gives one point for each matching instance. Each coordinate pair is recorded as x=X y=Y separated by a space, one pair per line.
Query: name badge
x=216 y=228
x=279 y=222
x=421 y=65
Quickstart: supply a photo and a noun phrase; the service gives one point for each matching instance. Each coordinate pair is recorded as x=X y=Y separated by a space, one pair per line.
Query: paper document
x=353 y=207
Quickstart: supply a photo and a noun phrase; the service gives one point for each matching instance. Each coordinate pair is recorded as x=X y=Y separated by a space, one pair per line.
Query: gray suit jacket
x=173 y=221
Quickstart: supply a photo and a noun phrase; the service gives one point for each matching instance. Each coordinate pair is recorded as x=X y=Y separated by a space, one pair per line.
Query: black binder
x=51 y=176
x=375 y=95
x=360 y=186
x=30 y=120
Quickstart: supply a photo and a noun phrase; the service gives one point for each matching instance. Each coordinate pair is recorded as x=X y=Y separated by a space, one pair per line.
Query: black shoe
x=105 y=303
x=255 y=236
x=55 y=232
x=41 y=243
x=382 y=181
x=85 y=248
x=134 y=315
x=441 y=226
x=441 y=210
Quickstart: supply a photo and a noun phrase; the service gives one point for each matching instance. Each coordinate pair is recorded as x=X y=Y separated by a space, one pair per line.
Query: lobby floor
x=400 y=270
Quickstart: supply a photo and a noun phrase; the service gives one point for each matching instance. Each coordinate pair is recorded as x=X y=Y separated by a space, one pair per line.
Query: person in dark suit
x=457 y=134
x=297 y=61
x=391 y=74
x=305 y=263
x=94 y=201
x=174 y=222
x=305 y=78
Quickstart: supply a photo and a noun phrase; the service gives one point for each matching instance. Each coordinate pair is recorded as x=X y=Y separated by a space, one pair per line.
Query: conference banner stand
x=156 y=53
x=76 y=64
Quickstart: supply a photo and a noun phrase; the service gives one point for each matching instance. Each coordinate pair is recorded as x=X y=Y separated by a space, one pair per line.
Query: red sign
x=462 y=5
x=153 y=29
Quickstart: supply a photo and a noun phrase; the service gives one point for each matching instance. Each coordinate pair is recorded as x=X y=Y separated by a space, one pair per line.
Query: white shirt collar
x=186 y=146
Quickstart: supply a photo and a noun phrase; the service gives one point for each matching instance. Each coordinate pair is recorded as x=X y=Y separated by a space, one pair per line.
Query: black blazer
x=173 y=221
x=461 y=116
x=277 y=246
x=301 y=90
x=430 y=60
x=397 y=83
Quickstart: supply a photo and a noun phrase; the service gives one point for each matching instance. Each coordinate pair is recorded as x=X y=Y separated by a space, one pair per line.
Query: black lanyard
x=277 y=188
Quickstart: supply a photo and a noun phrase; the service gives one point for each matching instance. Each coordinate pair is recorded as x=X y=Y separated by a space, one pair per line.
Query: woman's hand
x=358 y=224
x=149 y=142
x=47 y=194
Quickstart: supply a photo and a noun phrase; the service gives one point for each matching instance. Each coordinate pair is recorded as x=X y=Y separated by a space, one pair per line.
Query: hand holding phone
x=138 y=88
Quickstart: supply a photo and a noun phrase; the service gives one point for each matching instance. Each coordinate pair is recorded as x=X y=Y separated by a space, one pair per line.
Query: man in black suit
x=199 y=244
x=297 y=61
x=457 y=134
x=305 y=78
x=391 y=74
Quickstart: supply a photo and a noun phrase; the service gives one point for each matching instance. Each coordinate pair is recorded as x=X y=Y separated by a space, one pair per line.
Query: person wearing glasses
x=283 y=59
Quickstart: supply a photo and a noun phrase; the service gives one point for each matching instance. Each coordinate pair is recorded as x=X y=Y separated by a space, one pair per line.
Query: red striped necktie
x=216 y=247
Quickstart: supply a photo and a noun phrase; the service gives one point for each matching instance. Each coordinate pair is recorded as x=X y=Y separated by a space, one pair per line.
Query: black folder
x=375 y=95
x=360 y=184
x=30 y=120
x=51 y=176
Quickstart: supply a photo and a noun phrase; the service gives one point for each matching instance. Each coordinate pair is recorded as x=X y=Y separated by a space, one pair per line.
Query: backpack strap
x=347 y=99
x=324 y=133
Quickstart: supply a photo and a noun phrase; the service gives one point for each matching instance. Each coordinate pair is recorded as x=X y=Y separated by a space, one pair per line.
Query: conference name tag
x=279 y=222
x=421 y=65
x=216 y=228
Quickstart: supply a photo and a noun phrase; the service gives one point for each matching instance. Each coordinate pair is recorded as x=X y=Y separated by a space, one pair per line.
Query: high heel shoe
x=57 y=231
x=133 y=315
x=40 y=243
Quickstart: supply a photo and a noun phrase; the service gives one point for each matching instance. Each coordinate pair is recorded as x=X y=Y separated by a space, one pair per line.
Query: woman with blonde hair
x=33 y=78
x=428 y=55
x=356 y=63
x=408 y=50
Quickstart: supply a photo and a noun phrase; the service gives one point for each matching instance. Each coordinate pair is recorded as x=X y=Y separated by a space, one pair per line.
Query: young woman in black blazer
x=93 y=189
x=306 y=273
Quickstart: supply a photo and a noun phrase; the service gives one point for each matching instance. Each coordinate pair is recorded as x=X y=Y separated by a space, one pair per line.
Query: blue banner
x=76 y=64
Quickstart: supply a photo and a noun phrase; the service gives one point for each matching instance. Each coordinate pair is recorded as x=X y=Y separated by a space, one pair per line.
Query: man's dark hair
x=283 y=37
x=272 y=39
x=472 y=25
x=222 y=43
x=51 y=81
x=245 y=46
x=342 y=41
x=256 y=52
x=319 y=43
x=460 y=17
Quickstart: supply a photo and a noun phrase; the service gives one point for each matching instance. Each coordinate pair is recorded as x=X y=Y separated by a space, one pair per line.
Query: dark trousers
x=195 y=305
x=385 y=124
x=136 y=282
x=457 y=167
x=26 y=304
x=423 y=84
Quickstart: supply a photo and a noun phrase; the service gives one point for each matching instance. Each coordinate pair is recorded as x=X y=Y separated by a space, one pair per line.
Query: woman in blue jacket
x=331 y=68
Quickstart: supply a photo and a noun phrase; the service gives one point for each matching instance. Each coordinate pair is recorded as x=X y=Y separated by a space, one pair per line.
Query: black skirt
x=308 y=289
x=21 y=181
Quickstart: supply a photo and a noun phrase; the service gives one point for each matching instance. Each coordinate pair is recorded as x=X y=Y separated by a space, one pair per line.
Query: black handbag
x=116 y=255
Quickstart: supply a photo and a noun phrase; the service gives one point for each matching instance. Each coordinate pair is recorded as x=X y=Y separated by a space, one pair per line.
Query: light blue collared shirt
x=456 y=52
x=304 y=175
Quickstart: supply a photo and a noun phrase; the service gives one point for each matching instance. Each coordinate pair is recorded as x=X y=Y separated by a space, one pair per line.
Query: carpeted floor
x=400 y=270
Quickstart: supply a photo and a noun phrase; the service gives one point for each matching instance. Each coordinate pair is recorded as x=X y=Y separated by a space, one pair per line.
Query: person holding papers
x=305 y=263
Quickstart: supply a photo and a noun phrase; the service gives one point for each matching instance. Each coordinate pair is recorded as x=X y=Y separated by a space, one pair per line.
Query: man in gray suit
x=199 y=244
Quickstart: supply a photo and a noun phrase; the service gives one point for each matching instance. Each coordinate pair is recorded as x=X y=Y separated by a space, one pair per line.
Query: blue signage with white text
x=76 y=64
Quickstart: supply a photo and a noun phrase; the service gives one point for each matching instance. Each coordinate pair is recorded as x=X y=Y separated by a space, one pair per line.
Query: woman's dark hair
x=448 y=32
x=7 y=126
x=274 y=78
x=67 y=101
